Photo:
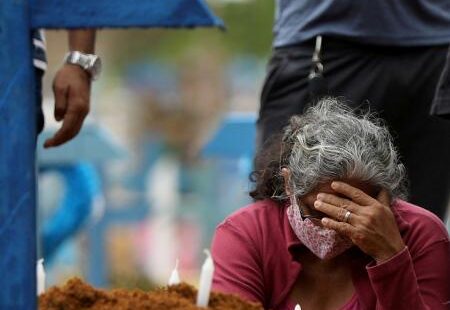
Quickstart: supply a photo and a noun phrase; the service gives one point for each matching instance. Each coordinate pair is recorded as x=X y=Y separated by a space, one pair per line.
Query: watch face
x=96 y=67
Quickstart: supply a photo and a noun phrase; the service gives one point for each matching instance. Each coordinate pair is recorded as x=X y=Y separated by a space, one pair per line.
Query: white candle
x=174 y=277
x=206 y=277
x=298 y=307
x=40 y=276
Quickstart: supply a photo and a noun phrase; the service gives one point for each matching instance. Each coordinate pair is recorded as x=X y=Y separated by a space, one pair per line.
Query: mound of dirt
x=77 y=295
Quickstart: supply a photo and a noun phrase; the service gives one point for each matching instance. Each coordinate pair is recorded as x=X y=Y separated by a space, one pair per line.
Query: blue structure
x=235 y=138
x=118 y=14
x=137 y=209
x=17 y=113
x=93 y=144
x=82 y=186
x=232 y=148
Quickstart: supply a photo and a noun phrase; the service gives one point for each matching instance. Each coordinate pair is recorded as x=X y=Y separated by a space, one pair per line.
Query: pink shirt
x=254 y=249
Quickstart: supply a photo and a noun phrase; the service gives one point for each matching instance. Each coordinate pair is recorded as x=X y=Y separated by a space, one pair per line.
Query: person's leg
x=400 y=84
x=425 y=140
x=285 y=90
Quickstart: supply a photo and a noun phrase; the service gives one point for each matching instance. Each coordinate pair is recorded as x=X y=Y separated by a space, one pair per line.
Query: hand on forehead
x=326 y=188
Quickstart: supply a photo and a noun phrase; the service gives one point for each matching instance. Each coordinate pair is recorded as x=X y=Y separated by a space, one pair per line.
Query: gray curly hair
x=330 y=142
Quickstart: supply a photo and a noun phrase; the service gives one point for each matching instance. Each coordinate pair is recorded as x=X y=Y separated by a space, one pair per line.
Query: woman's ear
x=286 y=173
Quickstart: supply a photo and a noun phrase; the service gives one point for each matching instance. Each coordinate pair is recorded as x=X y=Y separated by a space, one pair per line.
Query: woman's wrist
x=387 y=255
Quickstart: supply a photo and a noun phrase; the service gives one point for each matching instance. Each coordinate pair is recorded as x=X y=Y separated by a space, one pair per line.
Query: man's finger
x=335 y=212
x=70 y=128
x=61 y=94
x=353 y=193
x=342 y=228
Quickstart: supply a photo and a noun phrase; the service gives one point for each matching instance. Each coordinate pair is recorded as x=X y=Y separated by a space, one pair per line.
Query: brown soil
x=77 y=295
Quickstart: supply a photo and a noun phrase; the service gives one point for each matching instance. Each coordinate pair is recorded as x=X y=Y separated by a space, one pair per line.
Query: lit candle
x=40 y=276
x=206 y=277
x=174 y=277
x=298 y=307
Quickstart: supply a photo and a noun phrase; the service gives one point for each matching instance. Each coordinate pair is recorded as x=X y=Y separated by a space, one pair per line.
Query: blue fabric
x=121 y=13
x=392 y=22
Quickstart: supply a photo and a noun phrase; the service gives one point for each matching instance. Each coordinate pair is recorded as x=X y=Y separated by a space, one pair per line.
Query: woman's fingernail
x=325 y=220
x=317 y=204
x=320 y=196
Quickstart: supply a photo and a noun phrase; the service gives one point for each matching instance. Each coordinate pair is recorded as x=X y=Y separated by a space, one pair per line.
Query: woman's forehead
x=366 y=187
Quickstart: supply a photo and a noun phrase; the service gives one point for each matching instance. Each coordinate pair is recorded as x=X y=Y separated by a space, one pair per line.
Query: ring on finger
x=347 y=216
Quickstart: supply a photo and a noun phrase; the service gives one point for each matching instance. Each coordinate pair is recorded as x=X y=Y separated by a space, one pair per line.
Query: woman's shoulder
x=260 y=209
x=256 y=217
x=418 y=225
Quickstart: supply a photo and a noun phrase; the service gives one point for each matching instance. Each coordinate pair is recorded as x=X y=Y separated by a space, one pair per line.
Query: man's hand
x=72 y=89
x=371 y=225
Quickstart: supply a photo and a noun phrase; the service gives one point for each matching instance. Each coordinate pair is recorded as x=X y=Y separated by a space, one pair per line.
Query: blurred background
x=164 y=155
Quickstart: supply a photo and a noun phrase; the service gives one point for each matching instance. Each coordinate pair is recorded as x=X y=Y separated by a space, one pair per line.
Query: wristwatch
x=89 y=62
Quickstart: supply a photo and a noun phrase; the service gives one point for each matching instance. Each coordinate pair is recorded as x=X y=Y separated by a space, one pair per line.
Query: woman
x=328 y=229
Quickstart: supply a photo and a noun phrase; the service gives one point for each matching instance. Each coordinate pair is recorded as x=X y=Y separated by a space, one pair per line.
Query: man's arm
x=72 y=89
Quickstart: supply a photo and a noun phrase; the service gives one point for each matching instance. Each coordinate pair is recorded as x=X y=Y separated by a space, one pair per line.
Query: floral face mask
x=325 y=243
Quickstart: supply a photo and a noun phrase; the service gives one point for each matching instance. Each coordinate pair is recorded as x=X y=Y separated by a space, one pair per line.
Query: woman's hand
x=371 y=225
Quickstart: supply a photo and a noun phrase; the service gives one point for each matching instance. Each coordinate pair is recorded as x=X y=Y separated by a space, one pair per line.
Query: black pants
x=397 y=82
